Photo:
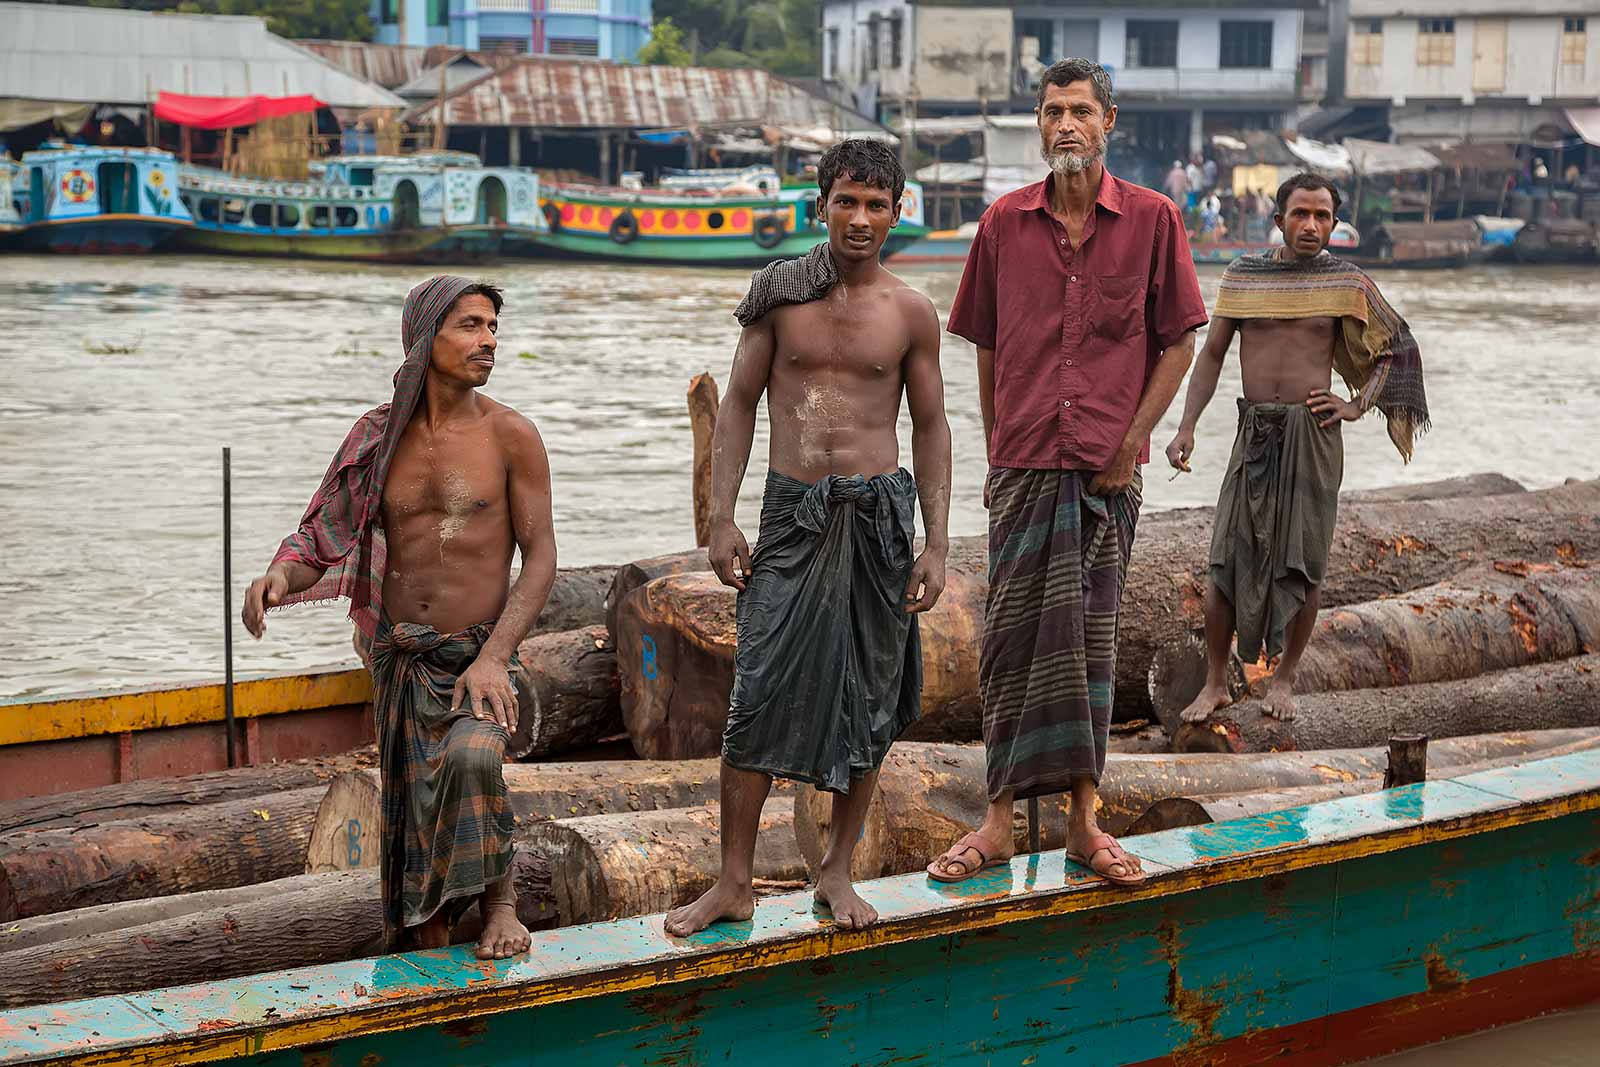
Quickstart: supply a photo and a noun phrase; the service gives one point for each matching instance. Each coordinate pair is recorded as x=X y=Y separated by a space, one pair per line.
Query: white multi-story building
x=1181 y=70
x=1486 y=70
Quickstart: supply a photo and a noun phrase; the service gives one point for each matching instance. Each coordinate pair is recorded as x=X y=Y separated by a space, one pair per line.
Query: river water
x=121 y=380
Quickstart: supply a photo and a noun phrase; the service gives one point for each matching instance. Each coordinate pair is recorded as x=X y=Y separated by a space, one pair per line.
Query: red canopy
x=220 y=112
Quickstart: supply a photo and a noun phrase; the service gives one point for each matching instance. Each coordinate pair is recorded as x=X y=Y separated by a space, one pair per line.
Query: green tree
x=777 y=35
x=665 y=48
x=337 y=20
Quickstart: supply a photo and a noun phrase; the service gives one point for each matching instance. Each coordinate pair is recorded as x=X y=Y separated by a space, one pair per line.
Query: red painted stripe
x=1447 y=1009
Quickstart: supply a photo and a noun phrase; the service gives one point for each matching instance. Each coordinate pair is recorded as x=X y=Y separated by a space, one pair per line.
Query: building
x=599 y=29
x=1477 y=70
x=1183 y=71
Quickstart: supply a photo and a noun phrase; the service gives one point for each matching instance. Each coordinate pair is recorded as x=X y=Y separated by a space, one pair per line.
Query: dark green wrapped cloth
x=828 y=670
x=1275 y=518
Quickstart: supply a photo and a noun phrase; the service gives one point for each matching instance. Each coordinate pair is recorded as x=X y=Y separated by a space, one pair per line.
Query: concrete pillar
x=1197 y=141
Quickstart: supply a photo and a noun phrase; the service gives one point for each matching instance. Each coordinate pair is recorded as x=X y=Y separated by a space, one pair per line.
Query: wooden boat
x=951 y=246
x=10 y=218
x=1322 y=934
x=1557 y=241
x=441 y=207
x=1423 y=246
x=735 y=227
x=90 y=199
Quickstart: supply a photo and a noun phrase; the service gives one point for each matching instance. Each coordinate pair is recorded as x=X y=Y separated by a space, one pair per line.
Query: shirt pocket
x=1119 y=306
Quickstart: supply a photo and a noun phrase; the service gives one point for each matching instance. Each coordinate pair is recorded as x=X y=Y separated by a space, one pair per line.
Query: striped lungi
x=1058 y=560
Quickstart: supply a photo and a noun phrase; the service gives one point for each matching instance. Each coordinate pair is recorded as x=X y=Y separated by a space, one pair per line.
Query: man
x=415 y=523
x=1302 y=313
x=1081 y=297
x=829 y=667
x=1176 y=185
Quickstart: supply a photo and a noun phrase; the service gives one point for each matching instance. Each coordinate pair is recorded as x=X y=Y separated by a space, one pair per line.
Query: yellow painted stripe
x=88 y=715
x=455 y=1007
x=114 y=218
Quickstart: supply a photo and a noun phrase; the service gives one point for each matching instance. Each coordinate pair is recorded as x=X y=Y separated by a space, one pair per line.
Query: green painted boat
x=1319 y=935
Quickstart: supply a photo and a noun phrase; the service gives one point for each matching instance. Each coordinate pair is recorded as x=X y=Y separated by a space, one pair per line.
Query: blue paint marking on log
x=647 y=655
x=1243 y=949
x=352 y=832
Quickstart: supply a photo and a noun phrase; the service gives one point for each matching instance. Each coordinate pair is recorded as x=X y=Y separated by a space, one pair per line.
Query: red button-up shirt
x=1076 y=332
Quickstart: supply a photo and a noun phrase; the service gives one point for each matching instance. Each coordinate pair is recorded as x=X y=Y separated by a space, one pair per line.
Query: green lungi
x=446 y=823
x=1275 y=518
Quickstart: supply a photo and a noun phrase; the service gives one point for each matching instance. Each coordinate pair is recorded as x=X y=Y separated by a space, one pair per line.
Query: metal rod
x=1033 y=824
x=227 y=600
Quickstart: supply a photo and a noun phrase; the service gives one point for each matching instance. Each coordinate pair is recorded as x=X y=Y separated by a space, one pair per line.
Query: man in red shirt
x=1081 y=297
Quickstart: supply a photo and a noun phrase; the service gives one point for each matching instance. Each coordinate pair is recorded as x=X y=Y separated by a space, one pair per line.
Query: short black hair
x=496 y=296
x=861 y=159
x=1064 y=72
x=1310 y=182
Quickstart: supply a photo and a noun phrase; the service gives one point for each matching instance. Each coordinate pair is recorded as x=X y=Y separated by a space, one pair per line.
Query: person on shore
x=1176 y=185
x=1302 y=313
x=415 y=523
x=1081 y=297
x=828 y=670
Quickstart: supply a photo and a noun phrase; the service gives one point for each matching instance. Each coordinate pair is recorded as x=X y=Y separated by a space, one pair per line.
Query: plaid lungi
x=446 y=824
x=1058 y=560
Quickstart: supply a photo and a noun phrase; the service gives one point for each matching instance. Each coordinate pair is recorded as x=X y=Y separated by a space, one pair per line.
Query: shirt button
x=1063 y=241
x=1069 y=362
x=1066 y=403
x=1073 y=278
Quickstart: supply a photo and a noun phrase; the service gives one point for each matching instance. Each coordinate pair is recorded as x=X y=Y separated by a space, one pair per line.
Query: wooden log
x=631 y=576
x=233 y=843
x=311 y=919
x=929 y=795
x=1540 y=697
x=345 y=834
x=610 y=866
x=1408 y=761
x=170 y=796
x=1171 y=812
x=1482 y=484
x=703 y=423
x=577 y=599
x=568 y=692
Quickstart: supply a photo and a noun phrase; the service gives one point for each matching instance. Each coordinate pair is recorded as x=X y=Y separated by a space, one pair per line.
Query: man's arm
x=284 y=577
x=1153 y=403
x=1202 y=387
x=986 y=404
x=488 y=679
x=730 y=448
x=930 y=454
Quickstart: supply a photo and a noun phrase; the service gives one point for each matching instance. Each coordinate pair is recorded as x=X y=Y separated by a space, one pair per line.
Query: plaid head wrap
x=342 y=531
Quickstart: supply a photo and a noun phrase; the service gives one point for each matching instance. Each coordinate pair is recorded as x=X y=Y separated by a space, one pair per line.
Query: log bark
x=1540 y=697
x=171 y=796
x=312 y=919
x=234 y=843
x=610 y=866
x=631 y=576
x=1408 y=761
x=703 y=424
x=568 y=692
x=577 y=599
x=347 y=826
x=1171 y=812
x=929 y=795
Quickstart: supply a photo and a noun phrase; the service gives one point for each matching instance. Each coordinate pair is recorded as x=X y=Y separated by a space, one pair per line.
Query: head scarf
x=342 y=531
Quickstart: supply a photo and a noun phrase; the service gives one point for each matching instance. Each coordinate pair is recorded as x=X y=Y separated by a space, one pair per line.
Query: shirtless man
x=1302 y=314
x=828 y=669
x=454 y=481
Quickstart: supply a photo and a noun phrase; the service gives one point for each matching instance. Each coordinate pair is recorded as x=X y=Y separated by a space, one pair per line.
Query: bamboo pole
x=703 y=423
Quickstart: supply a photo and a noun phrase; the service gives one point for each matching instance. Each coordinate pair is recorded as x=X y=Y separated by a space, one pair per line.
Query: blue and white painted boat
x=10 y=217
x=84 y=198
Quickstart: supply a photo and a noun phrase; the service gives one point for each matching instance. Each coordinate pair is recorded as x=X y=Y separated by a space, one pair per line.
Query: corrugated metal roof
x=388 y=65
x=548 y=93
x=105 y=56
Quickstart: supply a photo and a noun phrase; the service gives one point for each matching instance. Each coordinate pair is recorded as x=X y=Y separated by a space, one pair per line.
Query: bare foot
x=435 y=933
x=1211 y=698
x=503 y=935
x=850 y=912
x=1278 y=703
x=722 y=901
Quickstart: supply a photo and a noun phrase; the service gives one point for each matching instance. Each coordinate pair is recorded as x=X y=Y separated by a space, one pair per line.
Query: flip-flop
x=973 y=842
x=1118 y=854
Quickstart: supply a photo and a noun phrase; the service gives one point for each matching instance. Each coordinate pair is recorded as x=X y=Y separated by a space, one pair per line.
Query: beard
x=1065 y=163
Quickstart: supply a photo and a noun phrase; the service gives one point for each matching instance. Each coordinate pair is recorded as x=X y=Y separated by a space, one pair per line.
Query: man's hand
x=986 y=479
x=1181 y=448
x=729 y=555
x=926 y=581
x=265 y=592
x=1330 y=408
x=485 y=690
x=1118 y=476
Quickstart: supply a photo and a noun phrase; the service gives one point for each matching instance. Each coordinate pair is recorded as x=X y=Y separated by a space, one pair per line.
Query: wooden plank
x=1241 y=930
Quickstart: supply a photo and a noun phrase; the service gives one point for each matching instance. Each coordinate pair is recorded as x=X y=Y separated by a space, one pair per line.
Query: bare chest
x=456 y=477
x=853 y=337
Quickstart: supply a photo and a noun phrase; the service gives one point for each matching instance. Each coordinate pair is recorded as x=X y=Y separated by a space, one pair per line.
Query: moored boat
x=1423 y=245
x=10 y=217
x=1557 y=241
x=81 y=198
x=438 y=207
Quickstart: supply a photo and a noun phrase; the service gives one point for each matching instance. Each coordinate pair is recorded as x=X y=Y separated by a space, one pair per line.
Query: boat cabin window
x=714 y=220
x=288 y=216
x=360 y=175
x=261 y=215
x=36 y=202
x=210 y=209
x=119 y=188
x=320 y=217
x=345 y=217
x=233 y=212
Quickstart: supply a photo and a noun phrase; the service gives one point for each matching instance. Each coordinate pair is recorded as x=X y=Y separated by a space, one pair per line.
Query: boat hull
x=1320 y=935
x=102 y=234
x=684 y=252
x=454 y=244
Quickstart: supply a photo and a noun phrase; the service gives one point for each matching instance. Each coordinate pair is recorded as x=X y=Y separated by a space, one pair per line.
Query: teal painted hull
x=686 y=252
x=1319 y=935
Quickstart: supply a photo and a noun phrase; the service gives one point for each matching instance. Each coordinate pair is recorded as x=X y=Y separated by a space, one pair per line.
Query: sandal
x=1105 y=843
x=939 y=869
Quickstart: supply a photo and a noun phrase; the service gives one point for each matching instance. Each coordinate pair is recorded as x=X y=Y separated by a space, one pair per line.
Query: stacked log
x=929 y=795
x=568 y=693
x=231 y=843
